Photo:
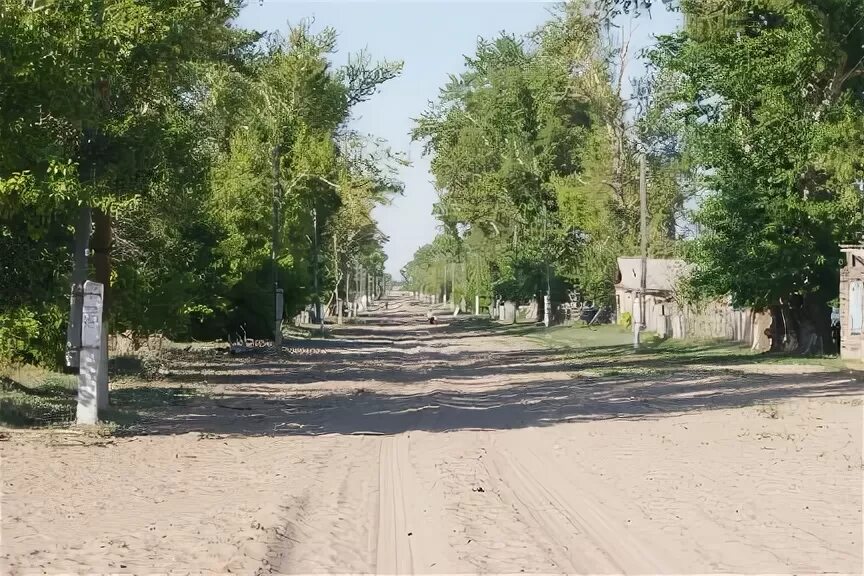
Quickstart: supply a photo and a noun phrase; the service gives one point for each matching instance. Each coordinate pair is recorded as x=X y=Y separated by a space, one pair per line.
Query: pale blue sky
x=431 y=38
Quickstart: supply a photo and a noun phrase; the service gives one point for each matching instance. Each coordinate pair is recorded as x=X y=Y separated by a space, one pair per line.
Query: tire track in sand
x=412 y=531
x=594 y=540
x=329 y=519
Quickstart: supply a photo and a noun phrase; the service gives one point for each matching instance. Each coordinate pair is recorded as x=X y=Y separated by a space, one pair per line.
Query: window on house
x=856 y=306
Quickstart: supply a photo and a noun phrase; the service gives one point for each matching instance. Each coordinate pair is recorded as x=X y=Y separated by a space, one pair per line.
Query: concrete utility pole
x=336 y=273
x=453 y=303
x=445 y=283
x=643 y=226
x=348 y=301
x=90 y=394
x=274 y=251
x=318 y=313
x=547 y=299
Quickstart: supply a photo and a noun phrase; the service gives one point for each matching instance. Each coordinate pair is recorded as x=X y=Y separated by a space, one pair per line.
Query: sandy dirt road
x=400 y=447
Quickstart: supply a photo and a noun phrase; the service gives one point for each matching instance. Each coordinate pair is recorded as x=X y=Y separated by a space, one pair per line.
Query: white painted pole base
x=87 y=411
x=547 y=310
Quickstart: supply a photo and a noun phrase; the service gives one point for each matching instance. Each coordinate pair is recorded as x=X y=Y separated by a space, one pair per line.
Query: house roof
x=662 y=274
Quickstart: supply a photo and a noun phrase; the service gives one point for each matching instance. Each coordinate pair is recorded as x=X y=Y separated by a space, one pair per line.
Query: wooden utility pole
x=643 y=227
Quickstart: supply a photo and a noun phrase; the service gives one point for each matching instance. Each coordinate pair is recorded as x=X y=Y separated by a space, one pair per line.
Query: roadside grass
x=32 y=397
x=610 y=350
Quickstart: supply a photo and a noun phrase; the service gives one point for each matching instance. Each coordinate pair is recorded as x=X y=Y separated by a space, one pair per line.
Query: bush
x=33 y=336
x=51 y=402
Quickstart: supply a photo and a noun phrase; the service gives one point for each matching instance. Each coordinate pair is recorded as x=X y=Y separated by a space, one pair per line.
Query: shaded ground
x=397 y=446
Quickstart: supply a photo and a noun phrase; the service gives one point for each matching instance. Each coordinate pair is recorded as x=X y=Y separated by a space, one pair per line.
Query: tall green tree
x=500 y=133
x=90 y=92
x=163 y=118
x=536 y=159
x=771 y=110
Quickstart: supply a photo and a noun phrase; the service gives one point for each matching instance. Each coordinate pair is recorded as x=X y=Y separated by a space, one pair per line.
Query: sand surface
x=400 y=447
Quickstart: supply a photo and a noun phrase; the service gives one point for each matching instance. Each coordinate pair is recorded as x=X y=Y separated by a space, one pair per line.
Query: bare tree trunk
x=348 y=288
x=777 y=331
x=79 y=276
x=814 y=325
x=541 y=306
x=802 y=326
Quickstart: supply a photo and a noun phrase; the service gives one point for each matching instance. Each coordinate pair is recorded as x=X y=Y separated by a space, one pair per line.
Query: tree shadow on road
x=383 y=389
x=528 y=404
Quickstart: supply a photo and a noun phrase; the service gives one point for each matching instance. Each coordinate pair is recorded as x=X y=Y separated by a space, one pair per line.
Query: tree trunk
x=348 y=300
x=79 y=276
x=814 y=326
x=101 y=243
x=777 y=331
x=102 y=272
x=541 y=306
x=802 y=325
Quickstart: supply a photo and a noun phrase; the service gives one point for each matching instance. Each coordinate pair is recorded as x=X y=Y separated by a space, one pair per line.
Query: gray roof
x=662 y=274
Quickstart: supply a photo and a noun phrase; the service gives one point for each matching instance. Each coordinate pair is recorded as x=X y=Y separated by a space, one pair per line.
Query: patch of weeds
x=131 y=366
x=50 y=400
x=608 y=372
x=50 y=403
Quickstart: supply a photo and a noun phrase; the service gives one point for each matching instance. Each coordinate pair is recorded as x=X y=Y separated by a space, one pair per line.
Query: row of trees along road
x=753 y=113
x=162 y=119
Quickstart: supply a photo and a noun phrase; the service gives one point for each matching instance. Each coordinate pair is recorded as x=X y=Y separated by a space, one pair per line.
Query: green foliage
x=770 y=111
x=500 y=133
x=34 y=335
x=536 y=165
x=52 y=402
x=164 y=116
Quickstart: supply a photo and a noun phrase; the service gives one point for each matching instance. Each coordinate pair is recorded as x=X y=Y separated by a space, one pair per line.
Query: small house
x=852 y=303
x=671 y=318
x=660 y=281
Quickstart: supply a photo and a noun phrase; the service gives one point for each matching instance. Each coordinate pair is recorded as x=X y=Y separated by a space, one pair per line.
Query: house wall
x=717 y=320
x=851 y=345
